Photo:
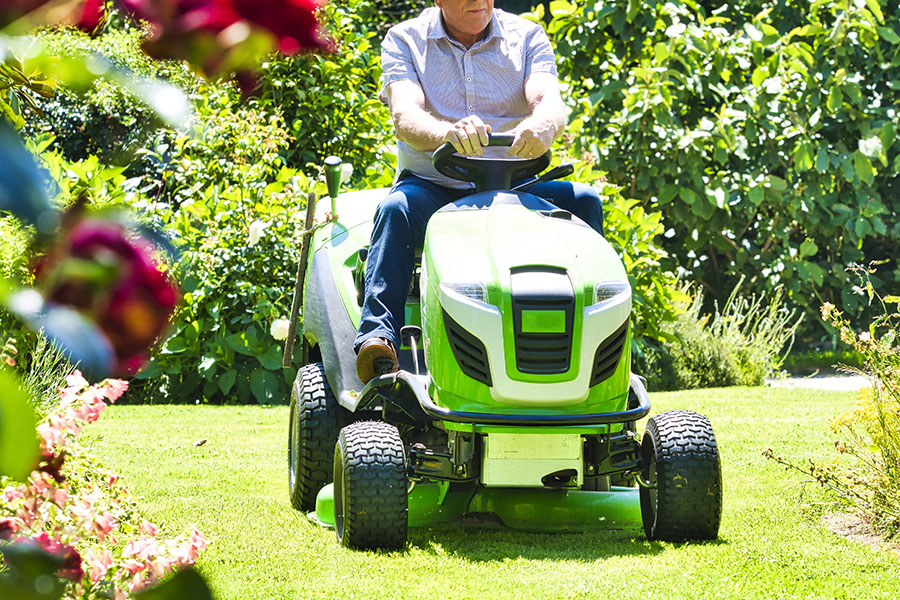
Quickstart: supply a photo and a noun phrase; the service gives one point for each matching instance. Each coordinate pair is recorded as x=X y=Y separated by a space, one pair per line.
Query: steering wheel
x=487 y=173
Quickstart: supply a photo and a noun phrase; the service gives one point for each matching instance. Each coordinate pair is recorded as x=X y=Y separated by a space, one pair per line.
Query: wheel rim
x=293 y=447
x=651 y=479
x=340 y=481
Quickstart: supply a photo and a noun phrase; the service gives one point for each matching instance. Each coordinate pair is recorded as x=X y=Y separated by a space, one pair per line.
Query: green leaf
x=822 y=160
x=174 y=345
x=226 y=381
x=238 y=343
x=803 y=157
x=186 y=584
x=206 y=363
x=264 y=386
x=875 y=9
x=271 y=358
x=757 y=195
x=808 y=248
x=862 y=166
x=888 y=35
x=18 y=439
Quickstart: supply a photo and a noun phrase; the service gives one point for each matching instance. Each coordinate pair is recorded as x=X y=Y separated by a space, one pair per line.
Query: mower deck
x=526 y=509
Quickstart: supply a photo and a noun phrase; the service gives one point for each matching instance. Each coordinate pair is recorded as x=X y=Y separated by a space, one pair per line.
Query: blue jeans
x=399 y=229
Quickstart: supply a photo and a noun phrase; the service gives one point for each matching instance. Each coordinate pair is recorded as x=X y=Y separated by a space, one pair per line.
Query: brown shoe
x=376 y=357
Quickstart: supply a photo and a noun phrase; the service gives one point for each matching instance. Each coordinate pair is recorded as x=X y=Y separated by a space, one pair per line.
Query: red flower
x=112 y=276
x=8 y=527
x=70 y=567
x=87 y=15
x=92 y=15
x=293 y=22
x=205 y=31
x=51 y=464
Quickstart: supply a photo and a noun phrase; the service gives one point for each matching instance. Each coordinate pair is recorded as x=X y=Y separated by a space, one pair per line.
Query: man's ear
x=439 y=3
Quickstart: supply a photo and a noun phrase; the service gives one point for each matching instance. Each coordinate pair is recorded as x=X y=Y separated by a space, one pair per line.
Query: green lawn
x=234 y=488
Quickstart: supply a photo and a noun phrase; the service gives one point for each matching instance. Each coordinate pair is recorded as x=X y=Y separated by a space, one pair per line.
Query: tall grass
x=46 y=371
x=742 y=344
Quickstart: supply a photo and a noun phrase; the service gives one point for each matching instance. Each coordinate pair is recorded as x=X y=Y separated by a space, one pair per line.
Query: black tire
x=316 y=420
x=370 y=494
x=681 y=464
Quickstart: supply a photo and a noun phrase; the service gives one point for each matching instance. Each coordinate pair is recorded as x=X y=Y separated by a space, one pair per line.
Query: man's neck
x=465 y=39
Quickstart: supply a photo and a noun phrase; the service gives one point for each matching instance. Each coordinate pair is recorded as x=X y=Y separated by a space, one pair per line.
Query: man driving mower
x=455 y=73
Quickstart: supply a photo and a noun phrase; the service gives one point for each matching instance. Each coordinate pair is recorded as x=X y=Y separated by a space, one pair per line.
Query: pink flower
x=149 y=528
x=99 y=561
x=76 y=380
x=103 y=524
x=133 y=566
x=52 y=435
x=115 y=388
x=59 y=497
x=11 y=494
x=143 y=548
x=198 y=541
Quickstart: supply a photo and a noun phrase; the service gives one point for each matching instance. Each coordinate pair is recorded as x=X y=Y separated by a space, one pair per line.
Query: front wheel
x=681 y=495
x=370 y=495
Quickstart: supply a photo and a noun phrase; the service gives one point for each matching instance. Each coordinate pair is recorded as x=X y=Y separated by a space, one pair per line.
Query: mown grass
x=234 y=487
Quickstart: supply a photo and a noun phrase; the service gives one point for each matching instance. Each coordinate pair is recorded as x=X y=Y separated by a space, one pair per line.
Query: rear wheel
x=683 y=498
x=316 y=420
x=370 y=495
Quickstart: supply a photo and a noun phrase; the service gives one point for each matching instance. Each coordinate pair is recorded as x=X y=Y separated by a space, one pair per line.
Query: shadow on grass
x=487 y=542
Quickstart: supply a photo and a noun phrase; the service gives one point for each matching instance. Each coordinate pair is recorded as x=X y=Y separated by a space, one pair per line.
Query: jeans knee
x=393 y=209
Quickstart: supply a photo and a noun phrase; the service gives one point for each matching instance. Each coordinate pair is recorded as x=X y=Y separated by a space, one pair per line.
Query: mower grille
x=543 y=353
x=546 y=294
x=608 y=354
x=468 y=350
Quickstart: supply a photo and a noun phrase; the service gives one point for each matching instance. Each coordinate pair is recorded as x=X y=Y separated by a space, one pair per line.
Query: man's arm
x=423 y=131
x=536 y=133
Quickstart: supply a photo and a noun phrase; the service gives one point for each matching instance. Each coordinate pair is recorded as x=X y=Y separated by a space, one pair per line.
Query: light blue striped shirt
x=487 y=80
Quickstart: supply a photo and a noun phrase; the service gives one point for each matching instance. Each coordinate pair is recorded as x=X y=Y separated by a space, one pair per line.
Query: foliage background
x=748 y=138
x=764 y=131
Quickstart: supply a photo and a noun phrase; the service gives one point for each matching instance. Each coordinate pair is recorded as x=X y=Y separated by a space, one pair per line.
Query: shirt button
x=470 y=107
x=468 y=79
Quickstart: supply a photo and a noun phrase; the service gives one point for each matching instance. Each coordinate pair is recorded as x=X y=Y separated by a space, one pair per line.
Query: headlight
x=604 y=291
x=473 y=290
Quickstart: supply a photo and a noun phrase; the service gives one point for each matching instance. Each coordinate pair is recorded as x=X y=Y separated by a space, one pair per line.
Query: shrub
x=764 y=131
x=233 y=213
x=330 y=103
x=104 y=119
x=742 y=345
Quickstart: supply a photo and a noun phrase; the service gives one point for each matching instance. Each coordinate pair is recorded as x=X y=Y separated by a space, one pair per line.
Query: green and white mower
x=515 y=394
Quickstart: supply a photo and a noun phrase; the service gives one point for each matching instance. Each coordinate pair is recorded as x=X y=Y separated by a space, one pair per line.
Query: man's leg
x=580 y=199
x=399 y=228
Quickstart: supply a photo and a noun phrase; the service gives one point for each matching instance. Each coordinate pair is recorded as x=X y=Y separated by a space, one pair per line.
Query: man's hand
x=468 y=135
x=531 y=139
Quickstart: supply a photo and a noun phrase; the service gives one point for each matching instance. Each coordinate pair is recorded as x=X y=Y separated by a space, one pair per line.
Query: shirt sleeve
x=396 y=62
x=539 y=56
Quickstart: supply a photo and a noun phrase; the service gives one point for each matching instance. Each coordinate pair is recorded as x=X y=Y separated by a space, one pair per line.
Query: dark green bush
x=105 y=120
x=763 y=131
x=330 y=103
x=219 y=185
